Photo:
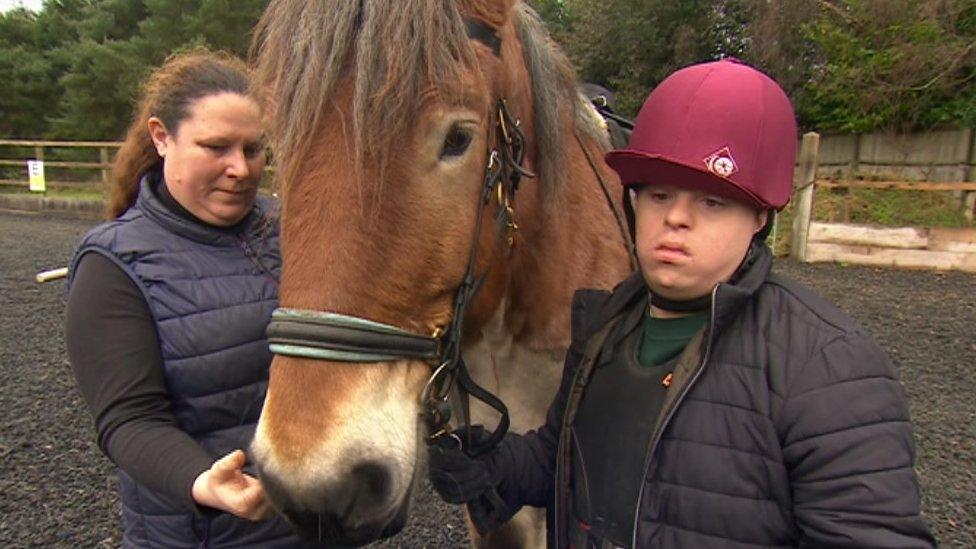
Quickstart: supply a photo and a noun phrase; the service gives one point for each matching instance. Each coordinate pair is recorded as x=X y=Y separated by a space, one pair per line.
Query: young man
x=707 y=402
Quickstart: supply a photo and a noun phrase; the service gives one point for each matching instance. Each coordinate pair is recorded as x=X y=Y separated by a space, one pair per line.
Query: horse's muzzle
x=351 y=512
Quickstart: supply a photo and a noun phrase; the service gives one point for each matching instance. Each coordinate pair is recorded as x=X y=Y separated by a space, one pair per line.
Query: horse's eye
x=457 y=141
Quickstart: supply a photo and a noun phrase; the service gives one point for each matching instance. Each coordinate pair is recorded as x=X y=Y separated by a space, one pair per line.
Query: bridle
x=339 y=337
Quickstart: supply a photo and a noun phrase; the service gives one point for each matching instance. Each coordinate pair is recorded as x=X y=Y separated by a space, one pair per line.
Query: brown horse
x=383 y=117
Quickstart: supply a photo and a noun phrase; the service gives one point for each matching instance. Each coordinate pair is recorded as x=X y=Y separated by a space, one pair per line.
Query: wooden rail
x=61 y=164
x=898 y=185
x=59 y=144
x=913 y=247
x=104 y=163
x=58 y=184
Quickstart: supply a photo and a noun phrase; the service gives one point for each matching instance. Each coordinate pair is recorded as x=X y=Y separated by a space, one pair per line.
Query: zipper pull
x=249 y=253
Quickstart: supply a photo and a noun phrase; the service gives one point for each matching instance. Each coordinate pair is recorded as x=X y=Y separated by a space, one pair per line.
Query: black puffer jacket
x=784 y=426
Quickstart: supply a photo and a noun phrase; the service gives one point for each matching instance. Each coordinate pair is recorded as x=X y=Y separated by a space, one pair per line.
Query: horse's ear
x=494 y=12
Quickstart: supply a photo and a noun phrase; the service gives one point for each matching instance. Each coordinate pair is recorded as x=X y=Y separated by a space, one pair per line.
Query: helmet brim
x=637 y=168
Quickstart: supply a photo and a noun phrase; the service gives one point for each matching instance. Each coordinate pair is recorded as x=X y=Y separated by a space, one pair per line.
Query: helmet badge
x=721 y=163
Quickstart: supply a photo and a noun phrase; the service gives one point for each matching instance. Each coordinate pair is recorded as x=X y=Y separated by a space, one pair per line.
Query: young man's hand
x=455 y=476
x=460 y=478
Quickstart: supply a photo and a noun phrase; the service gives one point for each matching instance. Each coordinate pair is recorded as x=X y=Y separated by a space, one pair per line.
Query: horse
x=442 y=193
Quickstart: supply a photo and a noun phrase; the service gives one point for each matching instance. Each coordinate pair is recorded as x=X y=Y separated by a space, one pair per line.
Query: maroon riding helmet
x=721 y=127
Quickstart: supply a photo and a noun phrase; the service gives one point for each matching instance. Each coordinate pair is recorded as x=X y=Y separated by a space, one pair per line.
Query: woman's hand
x=225 y=486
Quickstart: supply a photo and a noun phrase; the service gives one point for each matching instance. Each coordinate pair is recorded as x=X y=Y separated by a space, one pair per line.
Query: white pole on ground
x=53 y=274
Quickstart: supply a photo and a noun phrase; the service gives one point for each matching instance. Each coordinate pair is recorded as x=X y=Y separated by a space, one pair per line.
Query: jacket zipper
x=656 y=439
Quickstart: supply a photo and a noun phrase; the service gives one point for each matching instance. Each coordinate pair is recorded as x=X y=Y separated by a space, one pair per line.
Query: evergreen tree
x=72 y=70
x=119 y=43
x=894 y=64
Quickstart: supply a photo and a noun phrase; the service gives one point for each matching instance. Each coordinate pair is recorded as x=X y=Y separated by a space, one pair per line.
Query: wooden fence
x=939 y=155
x=106 y=150
x=914 y=247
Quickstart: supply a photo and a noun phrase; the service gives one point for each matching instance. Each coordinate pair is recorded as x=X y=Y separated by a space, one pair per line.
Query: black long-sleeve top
x=115 y=355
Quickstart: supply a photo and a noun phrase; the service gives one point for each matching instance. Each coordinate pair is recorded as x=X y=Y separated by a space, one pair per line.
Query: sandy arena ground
x=57 y=490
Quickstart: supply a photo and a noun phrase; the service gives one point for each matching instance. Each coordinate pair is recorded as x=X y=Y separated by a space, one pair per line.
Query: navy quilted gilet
x=211 y=292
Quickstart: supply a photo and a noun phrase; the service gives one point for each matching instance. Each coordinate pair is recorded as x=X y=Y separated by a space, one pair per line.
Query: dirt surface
x=57 y=490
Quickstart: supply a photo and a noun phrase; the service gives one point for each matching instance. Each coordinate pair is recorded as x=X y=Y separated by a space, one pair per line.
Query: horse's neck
x=576 y=244
x=523 y=378
x=568 y=242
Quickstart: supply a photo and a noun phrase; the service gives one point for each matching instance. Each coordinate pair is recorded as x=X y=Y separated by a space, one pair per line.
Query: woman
x=707 y=402
x=167 y=307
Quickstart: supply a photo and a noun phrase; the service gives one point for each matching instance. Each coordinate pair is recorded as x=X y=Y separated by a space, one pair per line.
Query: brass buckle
x=503 y=123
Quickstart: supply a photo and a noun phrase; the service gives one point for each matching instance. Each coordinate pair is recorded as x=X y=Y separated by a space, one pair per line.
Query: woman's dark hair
x=168 y=94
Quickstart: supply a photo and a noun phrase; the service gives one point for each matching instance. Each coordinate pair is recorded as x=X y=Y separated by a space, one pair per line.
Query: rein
x=332 y=336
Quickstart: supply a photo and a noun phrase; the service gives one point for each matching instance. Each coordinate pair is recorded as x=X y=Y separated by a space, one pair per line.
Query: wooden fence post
x=968 y=198
x=103 y=157
x=809 y=150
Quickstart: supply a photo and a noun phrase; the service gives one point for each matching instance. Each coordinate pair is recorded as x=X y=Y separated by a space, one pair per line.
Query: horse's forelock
x=300 y=50
x=398 y=51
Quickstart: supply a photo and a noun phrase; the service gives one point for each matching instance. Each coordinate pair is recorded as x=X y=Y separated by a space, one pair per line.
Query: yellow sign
x=35 y=173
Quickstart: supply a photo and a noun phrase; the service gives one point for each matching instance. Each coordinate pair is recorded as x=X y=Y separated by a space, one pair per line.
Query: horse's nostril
x=375 y=480
x=354 y=510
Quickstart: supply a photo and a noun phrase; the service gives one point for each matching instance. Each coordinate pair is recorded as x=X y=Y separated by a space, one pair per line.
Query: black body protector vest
x=611 y=435
x=612 y=430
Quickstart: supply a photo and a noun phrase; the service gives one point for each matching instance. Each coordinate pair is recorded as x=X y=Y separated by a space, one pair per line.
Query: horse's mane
x=554 y=89
x=399 y=51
